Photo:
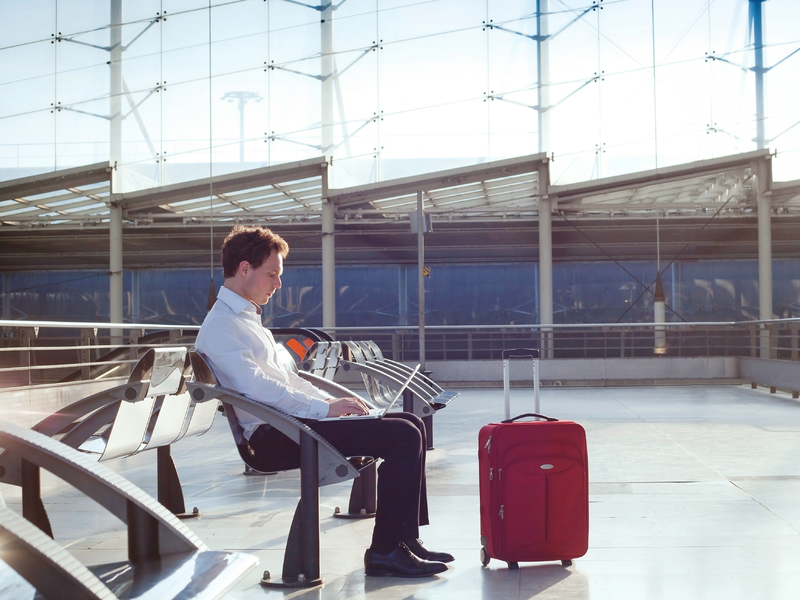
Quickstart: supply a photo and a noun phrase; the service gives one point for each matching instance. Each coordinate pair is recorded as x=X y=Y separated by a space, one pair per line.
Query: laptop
x=377 y=413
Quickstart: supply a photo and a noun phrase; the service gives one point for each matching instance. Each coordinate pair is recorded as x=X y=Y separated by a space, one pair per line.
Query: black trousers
x=398 y=439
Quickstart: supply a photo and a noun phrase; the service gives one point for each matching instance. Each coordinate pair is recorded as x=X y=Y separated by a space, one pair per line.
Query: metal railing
x=40 y=352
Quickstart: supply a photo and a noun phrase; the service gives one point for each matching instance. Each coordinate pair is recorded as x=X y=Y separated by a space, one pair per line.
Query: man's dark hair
x=253 y=244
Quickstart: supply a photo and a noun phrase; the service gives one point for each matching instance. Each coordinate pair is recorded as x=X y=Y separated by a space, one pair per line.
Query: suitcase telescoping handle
x=508 y=355
x=520 y=353
x=534 y=415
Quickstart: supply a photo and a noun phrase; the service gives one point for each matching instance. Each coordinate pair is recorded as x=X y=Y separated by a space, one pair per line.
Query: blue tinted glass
x=596 y=292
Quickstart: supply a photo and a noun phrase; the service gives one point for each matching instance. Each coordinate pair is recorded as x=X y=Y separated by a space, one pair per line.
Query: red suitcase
x=534 y=491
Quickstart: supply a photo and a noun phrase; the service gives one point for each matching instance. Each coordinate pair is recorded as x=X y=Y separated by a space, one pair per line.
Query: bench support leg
x=32 y=505
x=363 y=494
x=429 y=430
x=301 y=566
x=408 y=406
x=142 y=536
x=408 y=401
x=170 y=492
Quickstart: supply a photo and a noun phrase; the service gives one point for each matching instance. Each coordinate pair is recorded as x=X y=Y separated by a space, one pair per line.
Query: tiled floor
x=694 y=494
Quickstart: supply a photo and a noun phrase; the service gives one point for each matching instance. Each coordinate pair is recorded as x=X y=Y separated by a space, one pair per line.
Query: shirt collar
x=236 y=303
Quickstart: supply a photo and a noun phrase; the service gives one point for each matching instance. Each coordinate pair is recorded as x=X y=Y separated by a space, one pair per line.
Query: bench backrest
x=323 y=359
x=203 y=374
x=380 y=393
x=160 y=417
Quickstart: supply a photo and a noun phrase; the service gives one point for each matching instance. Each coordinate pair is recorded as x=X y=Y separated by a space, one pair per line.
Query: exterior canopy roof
x=293 y=193
x=63 y=197
x=727 y=185
x=495 y=189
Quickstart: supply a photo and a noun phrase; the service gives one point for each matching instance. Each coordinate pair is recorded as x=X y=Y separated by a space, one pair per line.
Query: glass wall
x=499 y=294
x=211 y=87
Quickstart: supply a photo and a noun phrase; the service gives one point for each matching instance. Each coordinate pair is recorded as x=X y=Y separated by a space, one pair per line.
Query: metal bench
x=151 y=411
x=435 y=395
x=320 y=464
x=423 y=396
x=165 y=559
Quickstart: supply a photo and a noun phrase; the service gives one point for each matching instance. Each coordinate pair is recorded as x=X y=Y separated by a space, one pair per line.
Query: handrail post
x=85 y=352
x=135 y=334
x=26 y=337
x=773 y=337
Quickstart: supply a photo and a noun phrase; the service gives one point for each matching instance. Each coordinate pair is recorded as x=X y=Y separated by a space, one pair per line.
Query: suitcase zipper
x=488 y=445
x=501 y=512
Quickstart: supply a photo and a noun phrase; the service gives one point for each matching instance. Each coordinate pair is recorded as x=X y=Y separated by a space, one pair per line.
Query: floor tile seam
x=667 y=436
x=624 y=406
x=765 y=507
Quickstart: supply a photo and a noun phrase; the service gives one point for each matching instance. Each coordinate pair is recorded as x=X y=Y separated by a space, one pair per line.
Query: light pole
x=242 y=98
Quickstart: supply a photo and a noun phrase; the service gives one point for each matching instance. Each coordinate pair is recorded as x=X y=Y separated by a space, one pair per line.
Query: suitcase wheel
x=566 y=563
x=513 y=566
x=485 y=558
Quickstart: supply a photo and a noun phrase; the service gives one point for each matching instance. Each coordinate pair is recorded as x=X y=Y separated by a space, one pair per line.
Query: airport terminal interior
x=614 y=184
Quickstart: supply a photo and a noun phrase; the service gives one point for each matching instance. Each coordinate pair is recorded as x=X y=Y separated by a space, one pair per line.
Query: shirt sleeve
x=234 y=363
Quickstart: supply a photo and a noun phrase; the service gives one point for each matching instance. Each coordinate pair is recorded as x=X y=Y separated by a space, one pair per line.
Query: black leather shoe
x=400 y=562
x=417 y=548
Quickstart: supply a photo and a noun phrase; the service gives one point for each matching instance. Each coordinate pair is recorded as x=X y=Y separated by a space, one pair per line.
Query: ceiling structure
x=481 y=213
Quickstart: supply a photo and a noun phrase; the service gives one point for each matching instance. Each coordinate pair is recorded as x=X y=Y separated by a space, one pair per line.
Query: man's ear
x=244 y=267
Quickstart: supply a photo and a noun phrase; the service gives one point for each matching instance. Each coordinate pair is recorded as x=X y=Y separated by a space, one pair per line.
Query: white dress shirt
x=243 y=356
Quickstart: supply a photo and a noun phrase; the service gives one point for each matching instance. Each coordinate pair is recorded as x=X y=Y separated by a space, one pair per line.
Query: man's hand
x=346 y=406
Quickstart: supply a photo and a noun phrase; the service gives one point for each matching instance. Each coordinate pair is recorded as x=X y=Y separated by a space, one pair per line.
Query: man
x=243 y=356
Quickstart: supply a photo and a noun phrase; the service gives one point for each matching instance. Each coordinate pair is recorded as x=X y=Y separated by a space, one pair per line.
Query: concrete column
x=115 y=158
x=328 y=258
x=115 y=271
x=546 y=205
x=6 y=298
x=546 y=274
x=659 y=318
x=402 y=295
x=326 y=114
x=764 y=251
x=136 y=301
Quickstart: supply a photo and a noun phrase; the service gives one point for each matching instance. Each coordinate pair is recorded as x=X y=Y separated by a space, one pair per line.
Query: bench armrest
x=44 y=563
x=333 y=466
x=117 y=495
